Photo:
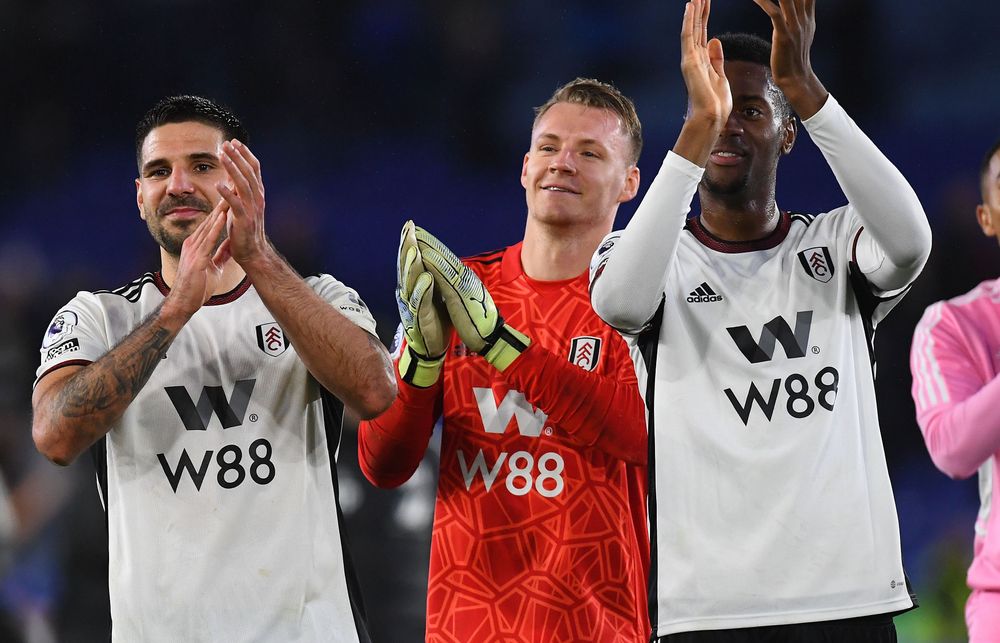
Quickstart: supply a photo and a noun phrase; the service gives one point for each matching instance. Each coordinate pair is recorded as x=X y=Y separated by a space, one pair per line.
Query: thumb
x=716 y=57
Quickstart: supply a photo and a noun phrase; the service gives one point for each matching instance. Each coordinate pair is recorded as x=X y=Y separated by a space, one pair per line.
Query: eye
x=203 y=167
x=591 y=154
x=158 y=172
x=546 y=148
x=752 y=112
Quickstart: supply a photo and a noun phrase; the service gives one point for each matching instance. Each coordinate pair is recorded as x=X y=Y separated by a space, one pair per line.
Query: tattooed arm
x=75 y=406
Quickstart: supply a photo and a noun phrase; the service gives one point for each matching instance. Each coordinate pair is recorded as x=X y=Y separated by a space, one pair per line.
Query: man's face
x=745 y=158
x=176 y=190
x=988 y=212
x=579 y=166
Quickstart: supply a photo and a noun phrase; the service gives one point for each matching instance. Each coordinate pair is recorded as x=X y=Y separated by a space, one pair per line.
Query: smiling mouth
x=725 y=157
x=556 y=188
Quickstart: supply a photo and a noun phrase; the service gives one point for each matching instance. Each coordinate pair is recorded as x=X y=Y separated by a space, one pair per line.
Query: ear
x=524 y=171
x=138 y=199
x=790 y=131
x=631 y=187
x=985 y=220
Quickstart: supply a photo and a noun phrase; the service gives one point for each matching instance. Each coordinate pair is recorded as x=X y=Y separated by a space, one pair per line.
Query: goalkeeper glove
x=424 y=324
x=470 y=306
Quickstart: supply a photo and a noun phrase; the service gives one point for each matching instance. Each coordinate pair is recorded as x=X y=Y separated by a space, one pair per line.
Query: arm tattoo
x=102 y=390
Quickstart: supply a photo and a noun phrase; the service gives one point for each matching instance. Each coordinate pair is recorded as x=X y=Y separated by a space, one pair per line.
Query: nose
x=563 y=162
x=180 y=183
x=733 y=126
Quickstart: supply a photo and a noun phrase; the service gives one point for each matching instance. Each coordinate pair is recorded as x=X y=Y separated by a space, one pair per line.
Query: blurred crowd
x=365 y=114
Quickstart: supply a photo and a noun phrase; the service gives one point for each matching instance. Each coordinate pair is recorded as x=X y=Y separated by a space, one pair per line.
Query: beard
x=169 y=240
x=725 y=188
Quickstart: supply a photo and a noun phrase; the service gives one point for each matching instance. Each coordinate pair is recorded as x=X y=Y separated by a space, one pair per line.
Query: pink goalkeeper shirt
x=954 y=359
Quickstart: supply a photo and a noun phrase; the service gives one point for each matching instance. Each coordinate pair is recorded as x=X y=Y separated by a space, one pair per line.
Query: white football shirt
x=770 y=501
x=219 y=481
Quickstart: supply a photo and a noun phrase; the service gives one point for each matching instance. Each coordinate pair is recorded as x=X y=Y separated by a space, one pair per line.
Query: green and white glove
x=470 y=306
x=425 y=324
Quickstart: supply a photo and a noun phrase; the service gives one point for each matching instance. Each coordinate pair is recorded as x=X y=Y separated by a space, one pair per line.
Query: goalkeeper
x=540 y=526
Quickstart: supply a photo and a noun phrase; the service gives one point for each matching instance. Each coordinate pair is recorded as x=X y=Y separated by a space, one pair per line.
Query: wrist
x=262 y=261
x=507 y=345
x=172 y=315
x=417 y=370
x=806 y=96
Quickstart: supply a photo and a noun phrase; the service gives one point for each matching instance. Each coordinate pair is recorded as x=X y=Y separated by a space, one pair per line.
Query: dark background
x=365 y=114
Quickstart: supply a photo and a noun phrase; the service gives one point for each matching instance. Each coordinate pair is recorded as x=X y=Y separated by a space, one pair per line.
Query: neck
x=232 y=273
x=738 y=217
x=555 y=253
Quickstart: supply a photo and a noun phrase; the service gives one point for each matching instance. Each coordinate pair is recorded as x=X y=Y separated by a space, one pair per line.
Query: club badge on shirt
x=817 y=263
x=271 y=339
x=585 y=352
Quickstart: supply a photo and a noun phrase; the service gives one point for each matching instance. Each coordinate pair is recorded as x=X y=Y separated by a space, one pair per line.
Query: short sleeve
x=344 y=299
x=76 y=335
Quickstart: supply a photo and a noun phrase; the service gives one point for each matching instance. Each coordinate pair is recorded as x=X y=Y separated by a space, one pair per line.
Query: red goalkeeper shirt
x=540 y=526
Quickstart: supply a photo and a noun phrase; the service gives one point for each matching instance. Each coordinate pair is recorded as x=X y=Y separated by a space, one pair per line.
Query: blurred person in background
x=771 y=511
x=955 y=361
x=539 y=528
x=211 y=395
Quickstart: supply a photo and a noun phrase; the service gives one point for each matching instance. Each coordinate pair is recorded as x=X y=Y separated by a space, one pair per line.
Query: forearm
x=963 y=435
x=627 y=290
x=883 y=199
x=69 y=416
x=594 y=410
x=345 y=359
x=391 y=446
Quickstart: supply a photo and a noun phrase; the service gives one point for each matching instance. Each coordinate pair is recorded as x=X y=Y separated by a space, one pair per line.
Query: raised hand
x=711 y=100
x=425 y=321
x=245 y=223
x=200 y=267
x=794 y=24
x=702 y=66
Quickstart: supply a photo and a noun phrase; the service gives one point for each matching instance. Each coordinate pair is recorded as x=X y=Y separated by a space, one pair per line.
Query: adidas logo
x=702 y=294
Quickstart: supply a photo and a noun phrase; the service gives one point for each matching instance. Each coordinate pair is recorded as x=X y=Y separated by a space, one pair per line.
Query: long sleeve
x=391 y=445
x=629 y=271
x=897 y=237
x=956 y=402
x=607 y=413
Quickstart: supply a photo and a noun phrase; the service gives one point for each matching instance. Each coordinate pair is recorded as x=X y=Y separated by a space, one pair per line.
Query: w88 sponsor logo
x=524 y=474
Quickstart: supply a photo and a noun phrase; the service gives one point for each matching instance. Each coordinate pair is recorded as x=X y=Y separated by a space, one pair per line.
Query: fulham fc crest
x=585 y=352
x=271 y=339
x=818 y=263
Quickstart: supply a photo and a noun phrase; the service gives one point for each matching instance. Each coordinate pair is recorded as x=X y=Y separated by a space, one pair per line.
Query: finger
x=771 y=9
x=716 y=57
x=214 y=232
x=235 y=203
x=703 y=36
x=252 y=160
x=239 y=172
x=412 y=269
x=196 y=238
x=223 y=253
x=249 y=168
x=687 y=29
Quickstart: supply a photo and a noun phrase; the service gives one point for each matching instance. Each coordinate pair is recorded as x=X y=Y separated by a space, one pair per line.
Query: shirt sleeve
x=896 y=240
x=391 y=446
x=599 y=411
x=956 y=405
x=629 y=270
x=346 y=300
x=76 y=335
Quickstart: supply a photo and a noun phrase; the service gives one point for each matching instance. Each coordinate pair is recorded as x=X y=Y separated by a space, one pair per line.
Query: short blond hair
x=590 y=92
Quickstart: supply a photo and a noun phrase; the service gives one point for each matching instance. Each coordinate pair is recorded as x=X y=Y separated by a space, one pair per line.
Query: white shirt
x=771 y=502
x=219 y=480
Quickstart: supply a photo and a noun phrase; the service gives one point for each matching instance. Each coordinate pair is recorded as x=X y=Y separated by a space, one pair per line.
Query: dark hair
x=181 y=109
x=751 y=48
x=984 y=167
x=594 y=93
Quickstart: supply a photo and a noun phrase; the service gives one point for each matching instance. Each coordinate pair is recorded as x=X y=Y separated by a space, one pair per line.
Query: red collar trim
x=709 y=240
x=215 y=300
